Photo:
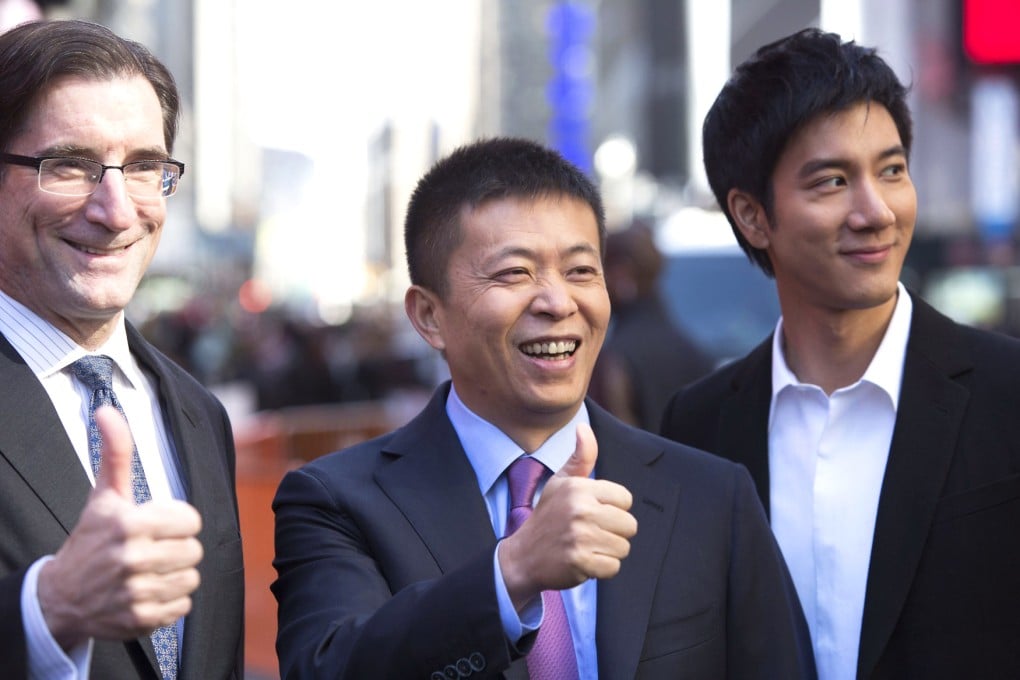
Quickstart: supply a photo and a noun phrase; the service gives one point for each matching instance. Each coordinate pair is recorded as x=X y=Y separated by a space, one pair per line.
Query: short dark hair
x=35 y=54
x=784 y=86
x=486 y=170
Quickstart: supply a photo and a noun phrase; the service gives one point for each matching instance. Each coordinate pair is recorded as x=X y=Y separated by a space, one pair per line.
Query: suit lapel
x=202 y=474
x=434 y=485
x=930 y=411
x=625 y=601
x=744 y=418
x=170 y=404
x=34 y=442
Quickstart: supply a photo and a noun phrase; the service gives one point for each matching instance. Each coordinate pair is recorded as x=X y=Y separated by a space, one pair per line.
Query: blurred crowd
x=286 y=360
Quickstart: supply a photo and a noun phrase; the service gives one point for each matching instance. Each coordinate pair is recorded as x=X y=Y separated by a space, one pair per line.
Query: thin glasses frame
x=168 y=186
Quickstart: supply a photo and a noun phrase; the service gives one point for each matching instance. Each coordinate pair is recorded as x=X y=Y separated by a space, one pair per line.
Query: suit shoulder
x=697 y=404
x=988 y=357
x=684 y=460
x=153 y=355
x=358 y=461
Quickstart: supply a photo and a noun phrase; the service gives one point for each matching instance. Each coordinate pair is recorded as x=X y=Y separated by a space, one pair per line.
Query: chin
x=557 y=403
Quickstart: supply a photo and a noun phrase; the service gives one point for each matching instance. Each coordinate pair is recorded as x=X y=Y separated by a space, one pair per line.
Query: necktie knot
x=523 y=476
x=95 y=371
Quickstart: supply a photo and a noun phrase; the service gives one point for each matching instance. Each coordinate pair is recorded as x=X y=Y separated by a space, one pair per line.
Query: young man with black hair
x=882 y=436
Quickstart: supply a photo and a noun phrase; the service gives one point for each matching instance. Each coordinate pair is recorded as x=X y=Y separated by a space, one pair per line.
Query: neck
x=833 y=349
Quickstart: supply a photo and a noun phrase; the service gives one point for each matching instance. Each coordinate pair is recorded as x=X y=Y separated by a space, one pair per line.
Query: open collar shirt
x=827 y=458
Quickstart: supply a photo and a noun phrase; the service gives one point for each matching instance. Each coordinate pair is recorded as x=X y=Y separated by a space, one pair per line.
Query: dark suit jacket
x=43 y=489
x=943 y=591
x=385 y=550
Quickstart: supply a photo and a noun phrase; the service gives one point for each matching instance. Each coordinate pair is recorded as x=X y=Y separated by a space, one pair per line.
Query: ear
x=424 y=309
x=749 y=215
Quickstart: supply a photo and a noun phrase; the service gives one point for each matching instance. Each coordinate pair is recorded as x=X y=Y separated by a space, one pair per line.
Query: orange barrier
x=268 y=444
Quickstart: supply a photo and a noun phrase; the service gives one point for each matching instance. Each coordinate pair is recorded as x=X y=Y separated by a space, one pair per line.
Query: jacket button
x=451 y=672
x=477 y=662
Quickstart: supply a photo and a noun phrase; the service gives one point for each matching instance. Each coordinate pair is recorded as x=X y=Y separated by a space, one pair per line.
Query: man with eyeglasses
x=120 y=552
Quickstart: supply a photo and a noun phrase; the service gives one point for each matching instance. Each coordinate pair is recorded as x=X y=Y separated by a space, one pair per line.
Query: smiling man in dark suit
x=102 y=581
x=641 y=558
x=882 y=436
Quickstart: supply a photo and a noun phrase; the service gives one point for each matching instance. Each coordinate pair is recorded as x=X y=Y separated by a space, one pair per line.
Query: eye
x=894 y=170
x=583 y=273
x=72 y=168
x=148 y=167
x=512 y=275
x=831 y=182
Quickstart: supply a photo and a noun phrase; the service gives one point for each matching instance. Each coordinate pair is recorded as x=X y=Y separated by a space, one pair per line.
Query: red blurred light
x=254 y=296
x=991 y=31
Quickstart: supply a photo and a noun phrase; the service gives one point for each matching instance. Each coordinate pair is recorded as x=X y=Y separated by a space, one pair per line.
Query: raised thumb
x=118 y=449
x=582 y=460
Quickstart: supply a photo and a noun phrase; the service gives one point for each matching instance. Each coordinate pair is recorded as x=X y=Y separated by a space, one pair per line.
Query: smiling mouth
x=97 y=251
x=555 y=351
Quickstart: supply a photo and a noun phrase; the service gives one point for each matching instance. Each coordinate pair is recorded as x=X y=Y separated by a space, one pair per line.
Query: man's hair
x=772 y=95
x=486 y=170
x=36 y=54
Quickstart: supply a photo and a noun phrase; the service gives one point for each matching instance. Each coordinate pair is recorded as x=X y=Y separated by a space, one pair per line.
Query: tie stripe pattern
x=96 y=373
x=552 y=657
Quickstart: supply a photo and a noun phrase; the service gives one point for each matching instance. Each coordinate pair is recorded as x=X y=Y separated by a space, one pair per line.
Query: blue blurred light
x=571 y=91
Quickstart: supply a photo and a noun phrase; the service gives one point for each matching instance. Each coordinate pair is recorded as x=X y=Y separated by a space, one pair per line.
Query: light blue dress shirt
x=490 y=453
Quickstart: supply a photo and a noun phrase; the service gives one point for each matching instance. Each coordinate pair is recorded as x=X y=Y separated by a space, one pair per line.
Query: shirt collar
x=886 y=368
x=48 y=350
x=490 y=451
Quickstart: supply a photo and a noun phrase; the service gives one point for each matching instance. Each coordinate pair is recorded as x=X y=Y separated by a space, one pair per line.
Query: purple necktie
x=96 y=373
x=552 y=657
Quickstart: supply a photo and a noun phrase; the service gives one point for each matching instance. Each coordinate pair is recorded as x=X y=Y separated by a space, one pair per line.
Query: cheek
x=597 y=311
x=905 y=209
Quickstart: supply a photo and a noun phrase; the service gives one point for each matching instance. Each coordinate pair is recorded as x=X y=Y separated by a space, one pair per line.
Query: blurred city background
x=280 y=277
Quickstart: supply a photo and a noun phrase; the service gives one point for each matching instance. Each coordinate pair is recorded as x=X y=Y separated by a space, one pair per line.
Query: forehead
x=95 y=114
x=861 y=129
x=545 y=223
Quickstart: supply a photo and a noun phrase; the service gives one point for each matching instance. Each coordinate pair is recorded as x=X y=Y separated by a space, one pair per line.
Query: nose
x=554 y=297
x=110 y=204
x=870 y=209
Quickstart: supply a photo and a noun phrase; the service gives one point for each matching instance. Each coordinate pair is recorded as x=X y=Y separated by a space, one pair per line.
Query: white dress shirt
x=48 y=352
x=827 y=458
x=490 y=453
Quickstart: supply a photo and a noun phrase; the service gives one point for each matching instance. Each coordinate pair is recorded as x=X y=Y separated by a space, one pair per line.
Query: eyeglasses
x=80 y=176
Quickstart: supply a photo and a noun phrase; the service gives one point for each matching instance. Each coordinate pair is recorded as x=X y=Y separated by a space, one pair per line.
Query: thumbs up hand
x=118 y=449
x=580 y=529
x=125 y=569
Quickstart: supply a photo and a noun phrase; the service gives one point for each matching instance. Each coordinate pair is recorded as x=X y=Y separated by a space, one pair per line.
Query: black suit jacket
x=43 y=489
x=943 y=591
x=385 y=559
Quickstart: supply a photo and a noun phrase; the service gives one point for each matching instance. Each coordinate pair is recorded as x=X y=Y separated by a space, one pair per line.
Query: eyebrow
x=528 y=253
x=818 y=164
x=71 y=150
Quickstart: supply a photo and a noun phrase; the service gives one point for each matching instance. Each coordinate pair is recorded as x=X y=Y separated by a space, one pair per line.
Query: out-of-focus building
x=307 y=123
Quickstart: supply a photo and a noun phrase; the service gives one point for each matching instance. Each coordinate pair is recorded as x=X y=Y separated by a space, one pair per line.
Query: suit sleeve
x=760 y=646
x=339 y=617
x=14 y=655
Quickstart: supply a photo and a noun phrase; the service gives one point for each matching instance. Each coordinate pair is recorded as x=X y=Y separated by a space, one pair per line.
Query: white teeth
x=97 y=251
x=550 y=348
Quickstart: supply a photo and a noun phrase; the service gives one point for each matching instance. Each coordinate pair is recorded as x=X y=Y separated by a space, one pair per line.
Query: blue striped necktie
x=96 y=373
